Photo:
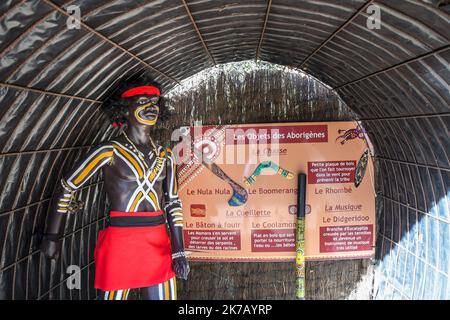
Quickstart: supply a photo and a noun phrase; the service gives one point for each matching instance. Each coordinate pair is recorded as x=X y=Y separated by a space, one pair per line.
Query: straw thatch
x=246 y=93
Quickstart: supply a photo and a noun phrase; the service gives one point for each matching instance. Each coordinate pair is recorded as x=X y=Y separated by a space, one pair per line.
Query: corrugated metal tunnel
x=55 y=74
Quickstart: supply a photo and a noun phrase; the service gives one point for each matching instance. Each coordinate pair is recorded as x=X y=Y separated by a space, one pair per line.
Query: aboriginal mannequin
x=134 y=252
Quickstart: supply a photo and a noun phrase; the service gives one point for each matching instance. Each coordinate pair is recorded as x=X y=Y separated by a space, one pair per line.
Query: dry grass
x=251 y=97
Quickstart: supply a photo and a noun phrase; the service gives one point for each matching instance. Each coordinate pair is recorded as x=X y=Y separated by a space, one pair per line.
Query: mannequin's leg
x=163 y=291
x=115 y=295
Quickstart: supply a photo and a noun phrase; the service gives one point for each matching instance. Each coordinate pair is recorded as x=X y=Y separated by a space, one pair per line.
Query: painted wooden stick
x=300 y=243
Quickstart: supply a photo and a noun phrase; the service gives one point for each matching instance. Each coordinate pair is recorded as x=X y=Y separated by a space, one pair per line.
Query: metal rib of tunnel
x=396 y=80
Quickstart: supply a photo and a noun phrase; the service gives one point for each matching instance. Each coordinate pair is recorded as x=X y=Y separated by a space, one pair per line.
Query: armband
x=178 y=255
x=67 y=203
x=66 y=187
x=52 y=236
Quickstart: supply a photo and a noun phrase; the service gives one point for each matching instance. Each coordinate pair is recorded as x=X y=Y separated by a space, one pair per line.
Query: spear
x=300 y=243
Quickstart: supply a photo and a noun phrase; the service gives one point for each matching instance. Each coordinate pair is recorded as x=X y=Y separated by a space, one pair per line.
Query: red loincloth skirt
x=132 y=257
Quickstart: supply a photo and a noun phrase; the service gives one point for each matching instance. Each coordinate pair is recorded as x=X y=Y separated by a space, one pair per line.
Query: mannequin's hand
x=50 y=248
x=180 y=266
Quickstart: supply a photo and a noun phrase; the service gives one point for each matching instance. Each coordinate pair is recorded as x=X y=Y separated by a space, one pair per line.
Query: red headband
x=141 y=90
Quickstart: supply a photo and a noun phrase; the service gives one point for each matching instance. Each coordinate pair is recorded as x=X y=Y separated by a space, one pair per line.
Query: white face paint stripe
x=106 y=295
x=177 y=219
x=119 y=295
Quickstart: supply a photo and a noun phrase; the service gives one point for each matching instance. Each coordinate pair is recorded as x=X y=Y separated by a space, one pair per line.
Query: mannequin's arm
x=66 y=193
x=174 y=211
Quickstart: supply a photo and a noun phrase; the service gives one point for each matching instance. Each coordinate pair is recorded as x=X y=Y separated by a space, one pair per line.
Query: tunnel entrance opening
x=395 y=79
x=261 y=92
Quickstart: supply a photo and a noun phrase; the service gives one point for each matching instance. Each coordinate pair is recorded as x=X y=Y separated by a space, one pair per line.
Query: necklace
x=141 y=155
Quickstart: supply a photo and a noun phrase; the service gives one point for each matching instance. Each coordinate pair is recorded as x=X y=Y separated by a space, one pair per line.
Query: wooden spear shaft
x=300 y=237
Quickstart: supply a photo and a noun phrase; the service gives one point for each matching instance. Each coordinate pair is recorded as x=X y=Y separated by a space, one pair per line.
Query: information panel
x=239 y=191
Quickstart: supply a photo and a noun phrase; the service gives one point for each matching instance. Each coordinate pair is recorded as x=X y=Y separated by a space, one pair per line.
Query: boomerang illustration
x=268 y=165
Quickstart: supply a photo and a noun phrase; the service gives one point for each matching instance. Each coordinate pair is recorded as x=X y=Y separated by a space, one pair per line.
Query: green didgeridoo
x=300 y=238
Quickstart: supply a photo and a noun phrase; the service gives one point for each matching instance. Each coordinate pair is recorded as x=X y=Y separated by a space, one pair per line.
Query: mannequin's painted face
x=143 y=109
